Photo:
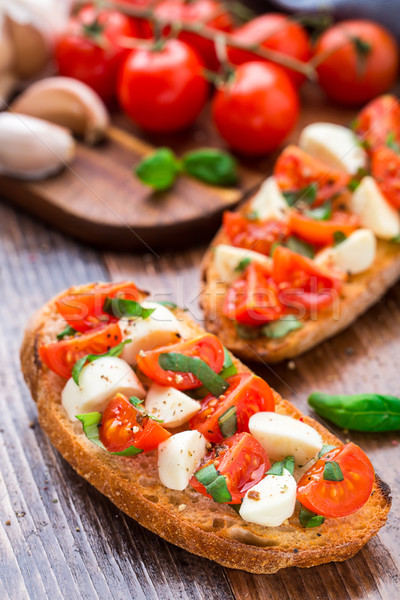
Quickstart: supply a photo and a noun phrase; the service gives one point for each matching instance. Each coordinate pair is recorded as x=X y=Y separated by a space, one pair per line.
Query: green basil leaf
x=236 y=507
x=321 y=213
x=212 y=166
x=353 y=184
x=91 y=423
x=338 y=237
x=227 y=422
x=306 y=194
x=243 y=264
x=168 y=304
x=252 y=216
x=126 y=309
x=278 y=329
x=396 y=239
x=310 y=519
x=392 y=143
x=78 y=366
x=159 y=170
x=137 y=403
x=180 y=363
x=206 y=475
x=218 y=490
x=246 y=332
x=278 y=467
x=325 y=449
x=299 y=246
x=332 y=471
x=68 y=331
x=289 y=464
x=228 y=368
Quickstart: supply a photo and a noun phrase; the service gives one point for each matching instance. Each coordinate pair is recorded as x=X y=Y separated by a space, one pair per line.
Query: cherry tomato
x=142 y=27
x=83 y=309
x=301 y=282
x=163 y=90
x=207 y=347
x=254 y=298
x=296 y=170
x=338 y=498
x=385 y=168
x=379 y=120
x=210 y=13
x=123 y=425
x=274 y=31
x=254 y=235
x=321 y=232
x=247 y=393
x=359 y=60
x=243 y=462
x=90 y=50
x=256 y=109
x=60 y=357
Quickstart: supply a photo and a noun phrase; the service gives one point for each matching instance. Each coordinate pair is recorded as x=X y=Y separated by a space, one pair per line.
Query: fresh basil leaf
x=91 y=423
x=278 y=329
x=289 y=464
x=299 y=246
x=126 y=309
x=392 y=143
x=214 y=483
x=321 y=213
x=353 y=184
x=338 y=237
x=306 y=194
x=252 y=215
x=137 y=403
x=228 y=368
x=180 y=363
x=325 y=449
x=332 y=471
x=278 y=467
x=78 y=366
x=206 y=475
x=68 y=331
x=396 y=239
x=213 y=166
x=227 y=422
x=310 y=519
x=246 y=332
x=242 y=265
x=159 y=170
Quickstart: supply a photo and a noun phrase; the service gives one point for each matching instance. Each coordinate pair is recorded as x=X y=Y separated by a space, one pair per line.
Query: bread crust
x=187 y=518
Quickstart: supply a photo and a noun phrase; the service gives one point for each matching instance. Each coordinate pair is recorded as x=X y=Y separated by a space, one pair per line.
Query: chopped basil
x=68 y=331
x=159 y=170
x=273 y=248
x=213 y=166
x=168 y=304
x=278 y=329
x=78 y=366
x=353 y=184
x=214 y=483
x=91 y=423
x=396 y=239
x=252 y=215
x=228 y=422
x=278 y=467
x=299 y=246
x=137 y=403
x=180 y=363
x=306 y=194
x=338 y=237
x=392 y=143
x=246 y=332
x=310 y=519
x=321 y=213
x=325 y=449
x=126 y=309
x=243 y=264
x=332 y=471
x=228 y=368
x=236 y=507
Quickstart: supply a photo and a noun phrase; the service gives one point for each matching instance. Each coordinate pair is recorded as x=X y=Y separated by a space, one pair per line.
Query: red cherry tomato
x=385 y=167
x=142 y=27
x=60 y=357
x=254 y=235
x=163 y=90
x=277 y=32
x=212 y=14
x=254 y=298
x=247 y=393
x=256 y=109
x=83 y=309
x=338 y=498
x=90 y=49
x=122 y=425
x=296 y=170
x=207 y=347
x=241 y=459
x=379 y=120
x=359 y=60
x=321 y=232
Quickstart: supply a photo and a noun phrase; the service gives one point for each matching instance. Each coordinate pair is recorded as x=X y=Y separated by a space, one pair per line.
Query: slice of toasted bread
x=357 y=295
x=187 y=518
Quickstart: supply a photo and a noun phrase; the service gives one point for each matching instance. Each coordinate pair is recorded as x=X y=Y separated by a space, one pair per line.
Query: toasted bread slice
x=187 y=518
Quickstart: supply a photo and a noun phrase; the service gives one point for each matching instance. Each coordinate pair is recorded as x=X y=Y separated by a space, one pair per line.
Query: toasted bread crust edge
x=102 y=475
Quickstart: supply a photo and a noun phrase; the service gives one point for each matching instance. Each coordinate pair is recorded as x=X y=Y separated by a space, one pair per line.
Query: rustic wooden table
x=60 y=538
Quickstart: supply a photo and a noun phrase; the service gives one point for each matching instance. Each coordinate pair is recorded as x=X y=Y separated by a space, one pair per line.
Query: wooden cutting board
x=99 y=200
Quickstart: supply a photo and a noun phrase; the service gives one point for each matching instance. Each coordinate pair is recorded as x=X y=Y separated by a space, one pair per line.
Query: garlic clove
x=31 y=49
x=67 y=102
x=31 y=148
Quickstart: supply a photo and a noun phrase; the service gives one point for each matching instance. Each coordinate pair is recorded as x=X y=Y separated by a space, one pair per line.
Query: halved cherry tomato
x=338 y=498
x=379 y=119
x=248 y=393
x=122 y=425
x=243 y=462
x=385 y=167
x=321 y=232
x=83 y=309
x=302 y=282
x=207 y=347
x=254 y=235
x=254 y=298
x=60 y=357
x=296 y=170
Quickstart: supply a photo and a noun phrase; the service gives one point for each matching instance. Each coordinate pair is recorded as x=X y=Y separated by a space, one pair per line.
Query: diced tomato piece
x=321 y=232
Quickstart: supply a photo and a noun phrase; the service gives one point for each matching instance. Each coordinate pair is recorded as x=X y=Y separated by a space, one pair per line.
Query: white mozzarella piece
x=334 y=145
x=227 y=259
x=99 y=381
x=179 y=457
x=172 y=406
x=374 y=210
x=269 y=202
x=354 y=255
x=271 y=501
x=282 y=436
x=159 y=329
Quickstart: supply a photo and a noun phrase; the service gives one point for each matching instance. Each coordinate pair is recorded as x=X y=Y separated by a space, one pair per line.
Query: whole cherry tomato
x=277 y=32
x=359 y=60
x=163 y=90
x=378 y=121
x=256 y=109
x=143 y=27
x=90 y=49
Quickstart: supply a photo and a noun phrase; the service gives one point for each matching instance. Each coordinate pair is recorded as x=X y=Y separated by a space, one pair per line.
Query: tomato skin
x=338 y=498
x=295 y=170
x=163 y=90
x=257 y=109
x=119 y=418
x=247 y=392
x=385 y=167
x=274 y=31
x=80 y=56
x=254 y=235
x=242 y=460
x=141 y=26
x=207 y=347
x=322 y=232
x=83 y=310
x=346 y=79
x=60 y=357
x=379 y=119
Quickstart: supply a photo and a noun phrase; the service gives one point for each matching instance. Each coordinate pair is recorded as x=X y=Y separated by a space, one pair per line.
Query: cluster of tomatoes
x=161 y=83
